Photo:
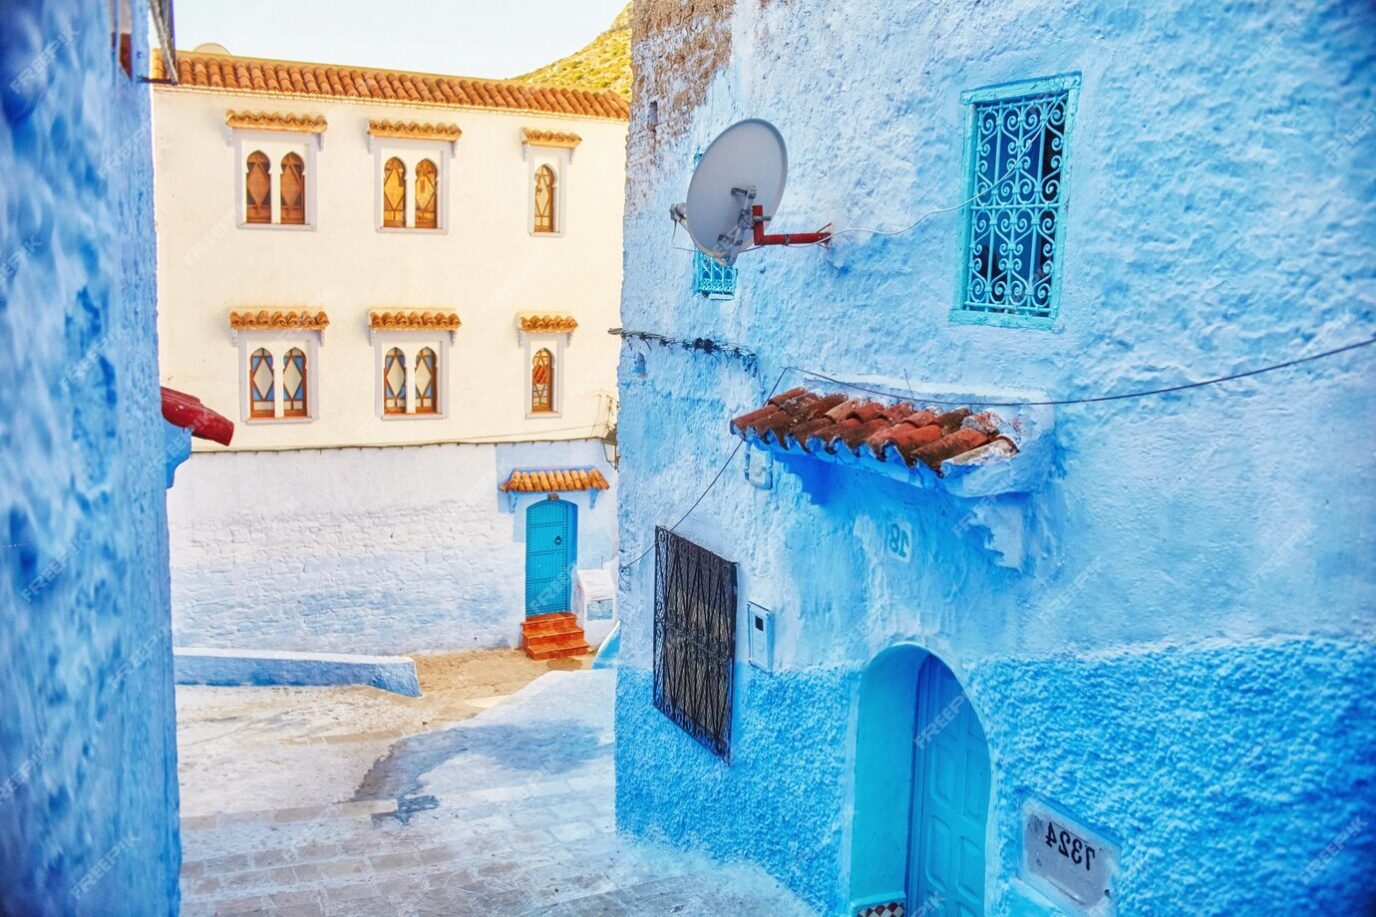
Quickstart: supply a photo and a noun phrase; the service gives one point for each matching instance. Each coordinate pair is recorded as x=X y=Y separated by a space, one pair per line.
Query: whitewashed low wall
x=376 y=550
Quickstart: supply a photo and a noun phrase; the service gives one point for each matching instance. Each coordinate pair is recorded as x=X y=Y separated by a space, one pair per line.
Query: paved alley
x=320 y=801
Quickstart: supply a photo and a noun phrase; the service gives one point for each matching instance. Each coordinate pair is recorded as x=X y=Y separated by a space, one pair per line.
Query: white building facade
x=398 y=285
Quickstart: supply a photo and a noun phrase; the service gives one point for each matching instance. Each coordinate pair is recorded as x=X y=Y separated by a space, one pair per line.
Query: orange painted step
x=553 y=636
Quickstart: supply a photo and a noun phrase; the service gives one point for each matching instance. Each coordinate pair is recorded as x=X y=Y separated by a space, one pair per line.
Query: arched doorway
x=551 y=552
x=921 y=790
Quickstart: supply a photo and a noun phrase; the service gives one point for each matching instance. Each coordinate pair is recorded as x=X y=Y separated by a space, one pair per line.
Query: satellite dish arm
x=821 y=236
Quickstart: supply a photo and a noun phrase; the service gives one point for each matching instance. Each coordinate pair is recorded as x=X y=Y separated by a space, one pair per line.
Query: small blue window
x=1017 y=160
x=713 y=280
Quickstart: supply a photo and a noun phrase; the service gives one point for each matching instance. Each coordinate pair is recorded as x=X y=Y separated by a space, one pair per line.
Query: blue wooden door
x=950 y=800
x=550 y=555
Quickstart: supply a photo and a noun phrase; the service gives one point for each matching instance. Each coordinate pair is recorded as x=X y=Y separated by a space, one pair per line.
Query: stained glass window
x=293 y=184
x=1015 y=184
x=544 y=199
x=394 y=382
x=258 y=189
x=427 y=195
x=294 y=384
x=427 y=379
x=260 y=381
x=394 y=193
x=542 y=382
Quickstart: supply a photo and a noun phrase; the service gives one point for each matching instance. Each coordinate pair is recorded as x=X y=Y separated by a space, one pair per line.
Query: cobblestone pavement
x=508 y=813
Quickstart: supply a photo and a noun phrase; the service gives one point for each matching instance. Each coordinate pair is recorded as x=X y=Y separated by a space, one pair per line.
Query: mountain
x=604 y=63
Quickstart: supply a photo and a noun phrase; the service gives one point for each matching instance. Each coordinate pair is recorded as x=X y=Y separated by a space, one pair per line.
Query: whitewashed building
x=399 y=286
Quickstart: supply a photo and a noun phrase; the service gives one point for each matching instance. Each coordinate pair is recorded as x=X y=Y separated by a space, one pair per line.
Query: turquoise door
x=950 y=800
x=551 y=552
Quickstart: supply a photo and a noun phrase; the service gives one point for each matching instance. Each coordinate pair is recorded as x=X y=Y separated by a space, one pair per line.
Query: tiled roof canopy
x=414 y=320
x=275 y=121
x=546 y=322
x=801 y=421
x=229 y=73
x=530 y=482
x=274 y=319
x=414 y=130
x=550 y=138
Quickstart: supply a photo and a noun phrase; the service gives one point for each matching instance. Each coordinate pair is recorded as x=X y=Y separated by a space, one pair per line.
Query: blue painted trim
x=1068 y=83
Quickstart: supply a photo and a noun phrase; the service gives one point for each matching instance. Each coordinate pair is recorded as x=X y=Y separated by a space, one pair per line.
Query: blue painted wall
x=88 y=788
x=1192 y=574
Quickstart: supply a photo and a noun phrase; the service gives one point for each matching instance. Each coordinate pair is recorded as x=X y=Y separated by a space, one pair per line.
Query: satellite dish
x=736 y=189
x=210 y=47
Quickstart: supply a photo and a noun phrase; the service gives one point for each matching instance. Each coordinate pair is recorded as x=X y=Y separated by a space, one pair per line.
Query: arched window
x=258 y=189
x=260 y=381
x=294 y=384
x=394 y=193
x=293 y=187
x=544 y=199
x=542 y=382
x=427 y=195
x=394 y=382
x=427 y=380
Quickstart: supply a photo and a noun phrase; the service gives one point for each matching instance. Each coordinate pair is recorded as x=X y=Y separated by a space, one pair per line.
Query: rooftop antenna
x=735 y=191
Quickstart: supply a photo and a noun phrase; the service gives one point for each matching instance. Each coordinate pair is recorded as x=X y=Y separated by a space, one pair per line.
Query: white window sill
x=394 y=417
x=269 y=421
x=542 y=415
x=290 y=227
x=559 y=234
x=438 y=231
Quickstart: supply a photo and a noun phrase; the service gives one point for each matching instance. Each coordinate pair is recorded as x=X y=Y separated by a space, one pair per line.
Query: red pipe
x=787 y=238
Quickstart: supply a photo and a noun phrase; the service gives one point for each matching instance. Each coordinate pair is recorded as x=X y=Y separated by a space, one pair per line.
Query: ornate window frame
x=1067 y=86
x=411 y=342
x=412 y=151
x=557 y=342
x=546 y=148
x=277 y=342
x=275 y=142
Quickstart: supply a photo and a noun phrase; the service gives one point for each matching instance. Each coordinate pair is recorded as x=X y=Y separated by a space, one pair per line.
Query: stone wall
x=373 y=550
x=88 y=785
x=1190 y=575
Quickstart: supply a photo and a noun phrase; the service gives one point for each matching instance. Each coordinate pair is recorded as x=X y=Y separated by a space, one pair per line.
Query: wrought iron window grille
x=713 y=280
x=1017 y=165
x=695 y=640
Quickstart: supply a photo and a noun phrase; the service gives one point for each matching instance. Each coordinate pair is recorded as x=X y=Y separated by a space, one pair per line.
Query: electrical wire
x=1063 y=401
x=713 y=483
x=1120 y=396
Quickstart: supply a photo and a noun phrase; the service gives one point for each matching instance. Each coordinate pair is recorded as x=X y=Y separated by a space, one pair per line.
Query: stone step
x=561 y=651
x=550 y=624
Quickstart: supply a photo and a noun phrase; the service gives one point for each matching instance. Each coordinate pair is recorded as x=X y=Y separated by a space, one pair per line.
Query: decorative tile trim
x=562 y=139
x=276 y=319
x=888 y=909
x=546 y=322
x=276 y=121
x=414 y=320
x=414 y=130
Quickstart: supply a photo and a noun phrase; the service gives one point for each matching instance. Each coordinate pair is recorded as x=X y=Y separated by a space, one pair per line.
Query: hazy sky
x=491 y=38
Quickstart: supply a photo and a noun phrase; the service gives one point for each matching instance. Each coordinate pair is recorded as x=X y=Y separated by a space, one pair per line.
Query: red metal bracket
x=788 y=238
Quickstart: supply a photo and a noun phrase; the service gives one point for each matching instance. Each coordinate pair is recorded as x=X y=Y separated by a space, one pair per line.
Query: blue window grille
x=713 y=280
x=1017 y=163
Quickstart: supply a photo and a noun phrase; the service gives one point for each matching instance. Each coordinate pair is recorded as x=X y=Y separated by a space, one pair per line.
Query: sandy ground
x=252 y=749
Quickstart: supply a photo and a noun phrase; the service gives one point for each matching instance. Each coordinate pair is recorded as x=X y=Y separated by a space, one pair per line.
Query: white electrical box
x=761 y=636
x=594 y=602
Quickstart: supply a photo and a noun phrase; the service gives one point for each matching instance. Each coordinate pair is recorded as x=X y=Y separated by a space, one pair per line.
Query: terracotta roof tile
x=551 y=480
x=414 y=320
x=273 y=319
x=229 y=73
x=801 y=420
